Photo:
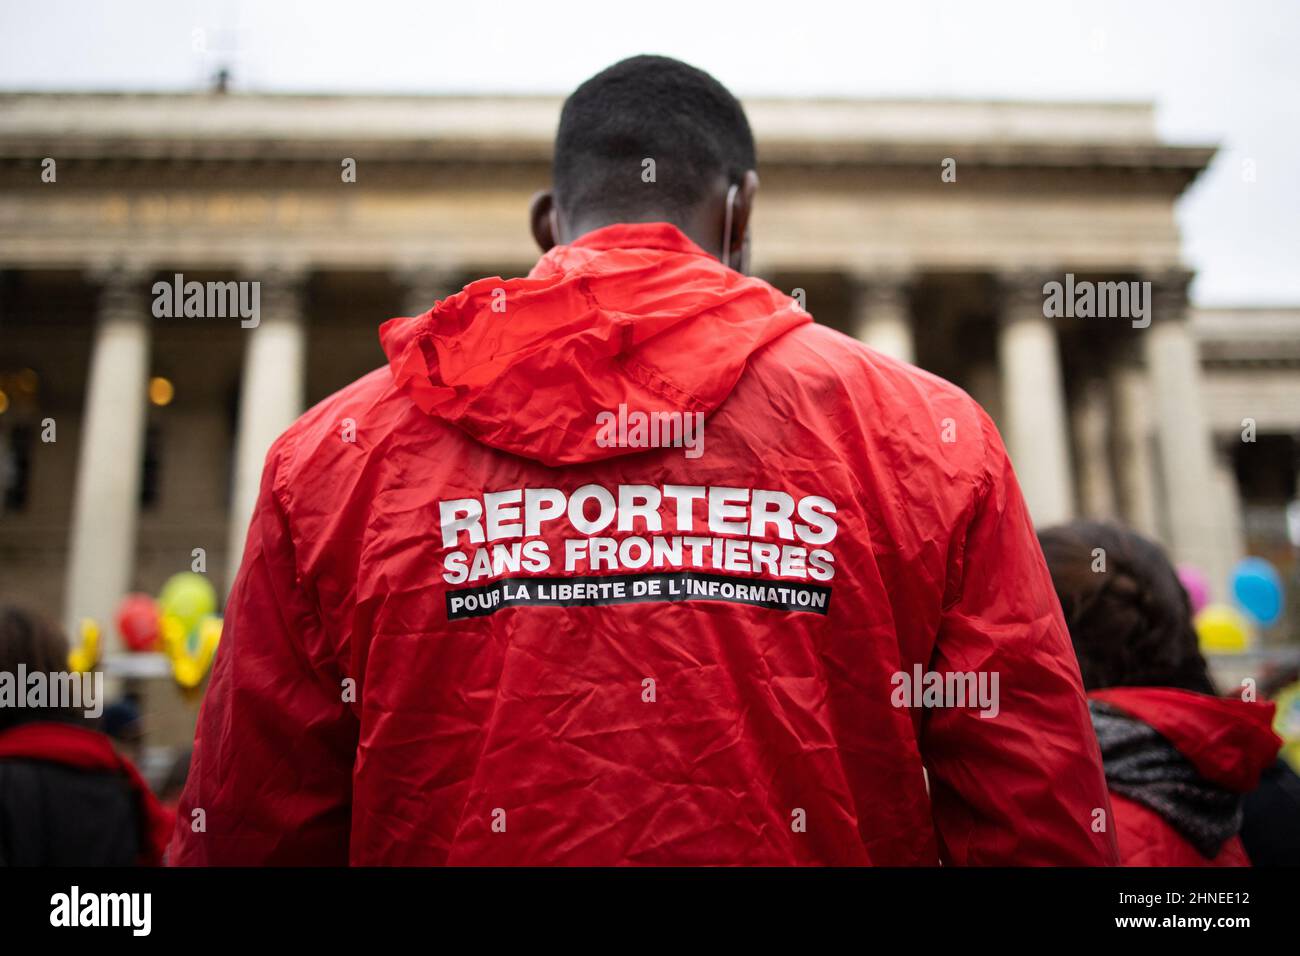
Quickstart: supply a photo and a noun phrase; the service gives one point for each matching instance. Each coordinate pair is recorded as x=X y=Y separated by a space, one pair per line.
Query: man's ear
x=543 y=218
x=740 y=213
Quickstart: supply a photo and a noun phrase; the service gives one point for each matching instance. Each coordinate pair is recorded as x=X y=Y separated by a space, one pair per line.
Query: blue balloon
x=1258 y=589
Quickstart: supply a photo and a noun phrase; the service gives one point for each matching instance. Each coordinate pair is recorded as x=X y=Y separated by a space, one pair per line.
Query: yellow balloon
x=210 y=631
x=82 y=658
x=173 y=635
x=1222 y=629
x=209 y=637
x=187 y=672
x=189 y=668
x=188 y=596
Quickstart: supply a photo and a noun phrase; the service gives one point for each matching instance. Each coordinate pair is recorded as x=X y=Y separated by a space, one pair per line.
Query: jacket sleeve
x=1023 y=785
x=270 y=776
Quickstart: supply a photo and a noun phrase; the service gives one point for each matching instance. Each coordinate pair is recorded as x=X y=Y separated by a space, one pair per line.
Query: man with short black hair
x=630 y=562
x=652 y=139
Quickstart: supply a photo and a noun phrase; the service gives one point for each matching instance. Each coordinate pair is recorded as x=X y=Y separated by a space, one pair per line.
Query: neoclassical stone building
x=159 y=425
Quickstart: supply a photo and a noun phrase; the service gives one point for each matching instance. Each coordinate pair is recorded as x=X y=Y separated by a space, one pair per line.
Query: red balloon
x=137 y=621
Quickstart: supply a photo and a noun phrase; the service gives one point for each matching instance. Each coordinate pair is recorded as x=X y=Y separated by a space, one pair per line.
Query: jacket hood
x=633 y=315
x=1228 y=741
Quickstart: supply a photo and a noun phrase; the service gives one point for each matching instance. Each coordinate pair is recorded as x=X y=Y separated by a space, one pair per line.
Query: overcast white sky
x=1224 y=72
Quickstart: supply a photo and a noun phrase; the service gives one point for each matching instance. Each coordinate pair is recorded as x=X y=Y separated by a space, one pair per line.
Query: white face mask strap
x=726 y=224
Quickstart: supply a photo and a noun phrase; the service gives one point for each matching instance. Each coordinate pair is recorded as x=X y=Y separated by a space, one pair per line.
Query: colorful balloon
x=189 y=597
x=1257 y=587
x=137 y=622
x=1196 y=584
x=191 y=664
x=1222 y=629
x=82 y=658
x=173 y=636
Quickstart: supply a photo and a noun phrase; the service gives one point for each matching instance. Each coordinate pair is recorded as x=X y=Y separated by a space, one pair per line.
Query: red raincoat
x=1229 y=742
x=480 y=621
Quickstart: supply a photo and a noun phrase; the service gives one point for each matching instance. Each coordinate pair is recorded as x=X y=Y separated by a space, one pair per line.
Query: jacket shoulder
x=813 y=346
x=894 y=404
x=333 y=426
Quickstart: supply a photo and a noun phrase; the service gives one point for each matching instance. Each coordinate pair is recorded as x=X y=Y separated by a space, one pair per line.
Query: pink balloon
x=1196 y=584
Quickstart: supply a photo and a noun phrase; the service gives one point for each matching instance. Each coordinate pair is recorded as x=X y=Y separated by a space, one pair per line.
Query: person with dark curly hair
x=1178 y=758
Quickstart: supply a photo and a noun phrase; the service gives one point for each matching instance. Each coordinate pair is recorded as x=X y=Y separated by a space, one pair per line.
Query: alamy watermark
x=949 y=689
x=133 y=911
x=60 y=690
x=633 y=429
x=208 y=300
x=1084 y=299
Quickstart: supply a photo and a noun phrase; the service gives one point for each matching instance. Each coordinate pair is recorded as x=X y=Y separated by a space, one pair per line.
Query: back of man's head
x=648 y=108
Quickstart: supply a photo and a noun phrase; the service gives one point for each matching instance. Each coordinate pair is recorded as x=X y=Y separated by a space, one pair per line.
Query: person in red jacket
x=630 y=562
x=67 y=797
x=1178 y=758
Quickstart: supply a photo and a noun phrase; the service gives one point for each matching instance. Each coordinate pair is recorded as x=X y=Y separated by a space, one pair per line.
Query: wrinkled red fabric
x=86 y=749
x=351 y=718
x=1229 y=741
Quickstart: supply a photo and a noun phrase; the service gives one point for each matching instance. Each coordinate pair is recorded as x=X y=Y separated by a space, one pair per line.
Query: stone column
x=1033 y=401
x=1091 y=417
x=1186 y=458
x=422 y=286
x=881 y=314
x=1231 y=534
x=270 y=394
x=1132 y=440
x=101 y=559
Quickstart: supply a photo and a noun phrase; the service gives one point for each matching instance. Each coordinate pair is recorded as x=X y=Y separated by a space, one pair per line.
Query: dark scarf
x=1144 y=767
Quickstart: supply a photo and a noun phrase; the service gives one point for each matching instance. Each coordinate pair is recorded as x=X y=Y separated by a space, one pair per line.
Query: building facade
x=132 y=443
